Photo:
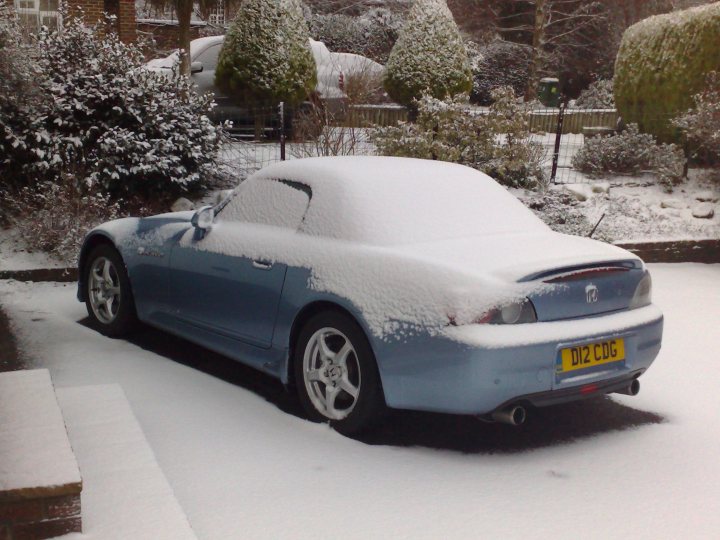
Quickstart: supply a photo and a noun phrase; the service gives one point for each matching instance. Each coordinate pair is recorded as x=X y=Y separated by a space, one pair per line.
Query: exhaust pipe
x=513 y=415
x=631 y=389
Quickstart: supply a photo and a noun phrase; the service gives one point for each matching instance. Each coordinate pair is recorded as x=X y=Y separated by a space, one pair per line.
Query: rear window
x=280 y=203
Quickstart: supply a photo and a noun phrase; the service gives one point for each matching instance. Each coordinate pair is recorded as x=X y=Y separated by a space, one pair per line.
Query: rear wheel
x=108 y=296
x=336 y=374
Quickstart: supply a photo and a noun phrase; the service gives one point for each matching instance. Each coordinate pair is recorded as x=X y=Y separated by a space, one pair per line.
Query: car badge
x=591 y=294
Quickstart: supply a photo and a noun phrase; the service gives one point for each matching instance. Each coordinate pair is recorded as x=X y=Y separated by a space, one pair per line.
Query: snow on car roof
x=390 y=200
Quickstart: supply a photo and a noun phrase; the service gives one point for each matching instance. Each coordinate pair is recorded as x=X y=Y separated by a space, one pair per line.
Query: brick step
x=40 y=481
x=125 y=493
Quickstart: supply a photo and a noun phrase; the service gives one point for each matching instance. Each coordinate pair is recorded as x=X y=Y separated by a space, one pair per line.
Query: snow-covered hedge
x=662 y=63
x=496 y=142
x=429 y=57
x=631 y=152
x=371 y=34
x=266 y=56
x=702 y=123
x=499 y=63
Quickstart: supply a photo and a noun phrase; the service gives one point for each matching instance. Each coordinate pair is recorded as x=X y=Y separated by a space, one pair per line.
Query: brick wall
x=43 y=515
x=124 y=10
x=165 y=34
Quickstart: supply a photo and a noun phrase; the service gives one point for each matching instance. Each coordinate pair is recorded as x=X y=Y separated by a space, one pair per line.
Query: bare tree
x=549 y=26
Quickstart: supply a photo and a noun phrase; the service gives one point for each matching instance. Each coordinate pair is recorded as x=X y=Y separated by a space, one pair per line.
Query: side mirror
x=203 y=218
x=196 y=67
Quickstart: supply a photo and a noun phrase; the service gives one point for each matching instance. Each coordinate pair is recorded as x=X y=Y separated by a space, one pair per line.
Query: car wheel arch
x=303 y=316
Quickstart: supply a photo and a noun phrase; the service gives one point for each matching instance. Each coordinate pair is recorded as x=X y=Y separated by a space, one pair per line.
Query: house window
x=36 y=13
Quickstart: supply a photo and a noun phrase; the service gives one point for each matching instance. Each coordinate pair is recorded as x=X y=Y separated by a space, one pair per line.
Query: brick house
x=36 y=13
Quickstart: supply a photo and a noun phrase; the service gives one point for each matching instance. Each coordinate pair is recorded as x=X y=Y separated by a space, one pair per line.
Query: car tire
x=336 y=374
x=108 y=295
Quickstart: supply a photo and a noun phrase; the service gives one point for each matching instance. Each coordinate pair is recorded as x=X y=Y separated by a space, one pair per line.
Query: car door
x=218 y=286
x=205 y=79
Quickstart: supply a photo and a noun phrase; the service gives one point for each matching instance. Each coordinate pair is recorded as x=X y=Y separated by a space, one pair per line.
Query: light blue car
x=373 y=282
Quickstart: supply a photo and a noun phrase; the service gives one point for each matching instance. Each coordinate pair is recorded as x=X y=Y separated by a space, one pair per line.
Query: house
x=37 y=13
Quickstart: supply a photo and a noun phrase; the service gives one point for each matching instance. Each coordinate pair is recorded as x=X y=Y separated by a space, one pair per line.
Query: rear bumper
x=485 y=372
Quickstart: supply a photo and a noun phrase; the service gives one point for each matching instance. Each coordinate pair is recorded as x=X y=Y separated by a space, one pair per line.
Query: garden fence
x=276 y=133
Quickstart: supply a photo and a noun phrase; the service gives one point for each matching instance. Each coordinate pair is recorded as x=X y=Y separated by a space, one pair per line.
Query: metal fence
x=275 y=133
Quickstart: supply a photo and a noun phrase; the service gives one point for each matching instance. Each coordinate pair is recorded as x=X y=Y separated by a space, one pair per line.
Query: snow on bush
x=662 y=62
x=631 y=152
x=266 y=56
x=498 y=63
x=599 y=95
x=429 y=57
x=20 y=95
x=560 y=211
x=106 y=136
x=702 y=123
x=372 y=34
x=496 y=142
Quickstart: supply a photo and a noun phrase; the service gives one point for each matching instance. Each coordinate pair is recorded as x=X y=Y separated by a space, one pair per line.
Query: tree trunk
x=184 y=13
x=537 y=49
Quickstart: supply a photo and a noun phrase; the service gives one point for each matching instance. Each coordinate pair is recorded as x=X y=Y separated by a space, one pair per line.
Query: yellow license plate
x=592 y=354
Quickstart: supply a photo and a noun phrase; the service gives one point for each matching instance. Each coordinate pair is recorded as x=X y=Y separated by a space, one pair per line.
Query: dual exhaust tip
x=516 y=415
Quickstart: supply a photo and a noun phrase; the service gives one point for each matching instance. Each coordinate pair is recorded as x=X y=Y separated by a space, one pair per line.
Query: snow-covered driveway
x=244 y=465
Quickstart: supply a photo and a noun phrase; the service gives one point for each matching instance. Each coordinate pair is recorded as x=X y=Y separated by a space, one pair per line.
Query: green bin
x=549 y=92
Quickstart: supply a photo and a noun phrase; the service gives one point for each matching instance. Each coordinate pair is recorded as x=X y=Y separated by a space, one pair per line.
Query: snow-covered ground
x=243 y=464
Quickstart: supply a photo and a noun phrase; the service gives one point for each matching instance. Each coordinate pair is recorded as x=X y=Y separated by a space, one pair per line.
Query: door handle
x=262 y=265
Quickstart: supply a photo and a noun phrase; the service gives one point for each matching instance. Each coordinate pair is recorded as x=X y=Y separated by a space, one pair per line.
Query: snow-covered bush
x=125 y=131
x=496 y=142
x=702 y=123
x=371 y=34
x=20 y=95
x=266 y=56
x=498 y=63
x=599 y=95
x=429 y=57
x=631 y=152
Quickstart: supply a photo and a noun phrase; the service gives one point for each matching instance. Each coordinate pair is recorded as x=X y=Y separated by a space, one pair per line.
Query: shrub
x=662 y=63
x=429 y=57
x=496 y=142
x=631 y=152
x=124 y=130
x=55 y=216
x=372 y=34
x=266 y=57
x=599 y=95
x=560 y=211
x=499 y=63
x=20 y=95
x=702 y=124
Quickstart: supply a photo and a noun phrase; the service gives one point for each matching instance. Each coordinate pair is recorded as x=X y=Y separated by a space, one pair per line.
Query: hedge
x=662 y=63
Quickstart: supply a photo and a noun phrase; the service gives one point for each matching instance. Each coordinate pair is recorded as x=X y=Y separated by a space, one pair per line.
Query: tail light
x=643 y=292
x=519 y=312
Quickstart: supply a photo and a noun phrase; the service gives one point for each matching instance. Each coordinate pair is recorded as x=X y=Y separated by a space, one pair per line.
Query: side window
x=280 y=203
x=209 y=57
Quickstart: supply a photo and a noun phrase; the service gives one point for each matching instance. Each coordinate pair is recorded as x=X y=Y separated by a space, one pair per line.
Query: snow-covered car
x=373 y=281
x=333 y=70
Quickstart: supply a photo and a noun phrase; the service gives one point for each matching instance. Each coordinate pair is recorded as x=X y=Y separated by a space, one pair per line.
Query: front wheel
x=108 y=296
x=336 y=374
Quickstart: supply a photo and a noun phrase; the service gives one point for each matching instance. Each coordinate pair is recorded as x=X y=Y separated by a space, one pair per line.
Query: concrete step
x=125 y=493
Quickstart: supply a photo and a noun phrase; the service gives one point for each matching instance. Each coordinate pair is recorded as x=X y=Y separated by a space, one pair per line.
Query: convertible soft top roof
x=390 y=200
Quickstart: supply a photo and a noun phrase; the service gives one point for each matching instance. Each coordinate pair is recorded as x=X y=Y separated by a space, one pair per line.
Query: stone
x=182 y=205
x=600 y=187
x=582 y=192
x=672 y=203
x=703 y=210
x=707 y=196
